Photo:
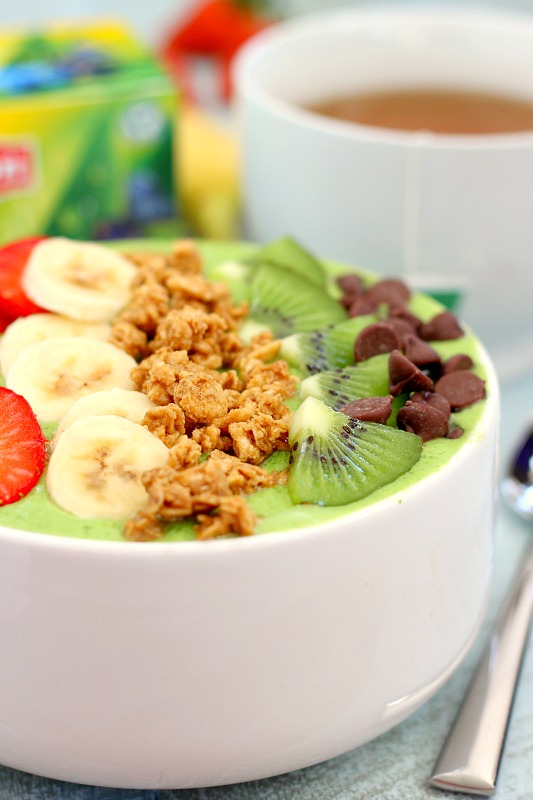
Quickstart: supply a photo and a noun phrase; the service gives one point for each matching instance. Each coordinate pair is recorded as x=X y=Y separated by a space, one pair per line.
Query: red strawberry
x=13 y=300
x=4 y=321
x=22 y=447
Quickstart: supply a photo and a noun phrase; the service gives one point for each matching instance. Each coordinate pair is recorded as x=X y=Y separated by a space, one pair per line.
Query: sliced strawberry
x=13 y=301
x=4 y=321
x=22 y=447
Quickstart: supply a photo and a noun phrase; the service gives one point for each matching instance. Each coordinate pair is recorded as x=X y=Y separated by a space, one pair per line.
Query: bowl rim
x=317 y=23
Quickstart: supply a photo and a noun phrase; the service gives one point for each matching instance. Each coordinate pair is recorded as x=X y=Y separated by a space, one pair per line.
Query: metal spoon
x=471 y=754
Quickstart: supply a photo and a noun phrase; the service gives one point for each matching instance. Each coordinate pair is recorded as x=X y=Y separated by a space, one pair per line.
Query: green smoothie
x=36 y=512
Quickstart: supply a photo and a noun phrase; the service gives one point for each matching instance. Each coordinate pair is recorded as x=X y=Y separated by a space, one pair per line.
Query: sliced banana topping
x=55 y=373
x=25 y=331
x=118 y=402
x=82 y=280
x=95 y=469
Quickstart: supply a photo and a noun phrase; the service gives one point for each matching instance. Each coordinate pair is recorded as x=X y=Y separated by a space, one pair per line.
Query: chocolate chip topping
x=369 y=409
x=443 y=326
x=403 y=313
x=459 y=361
x=455 y=433
x=350 y=299
x=350 y=284
x=433 y=399
x=401 y=327
x=375 y=339
x=389 y=290
x=358 y=300
x=415 y=368
x=424 y=420
x=404 y=376
x=360 y=307
x=419 y=352
x=461 y=388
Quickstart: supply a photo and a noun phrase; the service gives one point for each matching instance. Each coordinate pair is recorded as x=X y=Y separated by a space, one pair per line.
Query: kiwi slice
x=337 y=387
x=286 y=252
x=286 y=302
x=336 y=460
x=328 y=348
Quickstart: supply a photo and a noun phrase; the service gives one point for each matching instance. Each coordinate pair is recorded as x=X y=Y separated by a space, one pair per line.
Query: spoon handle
x=471 y=755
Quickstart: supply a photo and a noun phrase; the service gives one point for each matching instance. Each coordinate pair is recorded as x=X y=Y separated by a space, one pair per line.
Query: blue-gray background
x=150 y=18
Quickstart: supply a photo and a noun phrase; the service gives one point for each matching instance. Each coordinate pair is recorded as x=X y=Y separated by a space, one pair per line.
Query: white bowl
x=194 y=664
x=174 y=665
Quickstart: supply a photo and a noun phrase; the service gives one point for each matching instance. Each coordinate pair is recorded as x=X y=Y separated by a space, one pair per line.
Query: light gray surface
x=396 y=766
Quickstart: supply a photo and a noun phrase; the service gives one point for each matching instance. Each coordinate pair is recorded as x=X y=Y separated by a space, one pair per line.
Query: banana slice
x=82 y=280
x=118 y=402
x=38 y=327
x=55 y=373
x=95 y=469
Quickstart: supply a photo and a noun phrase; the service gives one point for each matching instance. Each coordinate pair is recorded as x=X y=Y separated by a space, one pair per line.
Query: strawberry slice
x=13 y=301
x=22 y=447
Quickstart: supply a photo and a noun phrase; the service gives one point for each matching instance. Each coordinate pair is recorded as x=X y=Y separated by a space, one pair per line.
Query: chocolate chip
x=459 y=361
x=424 y=420
x=403 y=313
x=455 y=433
x=389 y=290
x=375 y=339
x=461 y=388
x=419 y=352
x=402 y=327
x=350 y=299
x=360 y=307
x=443 y=326
x=369 y=409
x=404 y=376
x=433 y=399
x=350 y=283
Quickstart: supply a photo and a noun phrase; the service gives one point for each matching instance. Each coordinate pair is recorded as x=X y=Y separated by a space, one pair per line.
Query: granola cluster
x=219 y=405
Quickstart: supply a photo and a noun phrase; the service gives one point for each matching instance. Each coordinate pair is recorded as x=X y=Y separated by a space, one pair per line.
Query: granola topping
x=219 y=405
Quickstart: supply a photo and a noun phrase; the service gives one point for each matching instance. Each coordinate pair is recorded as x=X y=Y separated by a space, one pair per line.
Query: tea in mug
x=448 y=111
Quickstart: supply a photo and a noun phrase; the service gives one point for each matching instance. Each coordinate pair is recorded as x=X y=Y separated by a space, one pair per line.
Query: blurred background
x=139 y=159
x=151 y=20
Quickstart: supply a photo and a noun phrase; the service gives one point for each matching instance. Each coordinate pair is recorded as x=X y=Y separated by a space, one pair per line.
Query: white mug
x=446 y=212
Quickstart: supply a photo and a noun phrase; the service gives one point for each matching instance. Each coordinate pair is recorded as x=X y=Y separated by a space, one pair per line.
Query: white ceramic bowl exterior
x=442 y=211
x=186 y=665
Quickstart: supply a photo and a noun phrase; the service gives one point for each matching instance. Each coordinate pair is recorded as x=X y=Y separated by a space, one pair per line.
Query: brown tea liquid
x=436 y=110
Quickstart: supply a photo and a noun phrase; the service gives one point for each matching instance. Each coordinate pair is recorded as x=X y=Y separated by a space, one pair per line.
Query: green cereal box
x=86 y=128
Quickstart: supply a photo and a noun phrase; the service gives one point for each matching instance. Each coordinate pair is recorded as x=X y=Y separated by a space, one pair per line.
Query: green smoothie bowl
x=246 y=508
